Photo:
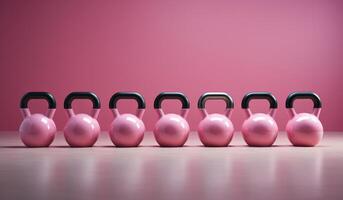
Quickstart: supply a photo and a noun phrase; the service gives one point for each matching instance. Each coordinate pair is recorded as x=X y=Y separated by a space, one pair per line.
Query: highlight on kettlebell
x=171 y=129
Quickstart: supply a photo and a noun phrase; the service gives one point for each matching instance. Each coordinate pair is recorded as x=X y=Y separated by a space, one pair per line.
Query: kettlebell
x=171 y=130
x=37 y=130
x=82 y=130
x=127 y=130
x=215 y=130
x=259 y=129
x=304 y=129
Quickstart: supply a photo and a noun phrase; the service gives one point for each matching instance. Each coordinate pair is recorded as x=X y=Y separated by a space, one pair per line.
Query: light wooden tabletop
x=191 y=172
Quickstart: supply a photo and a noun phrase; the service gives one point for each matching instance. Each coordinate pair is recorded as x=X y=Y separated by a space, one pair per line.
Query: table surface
x=190 y=172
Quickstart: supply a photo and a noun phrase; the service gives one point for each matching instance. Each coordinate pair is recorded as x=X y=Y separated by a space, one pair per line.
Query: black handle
x=215 y=96
x=127 y=95
x=259 y=95
x=303 y=95
x=171 y=95
x=38 y=95
x=81 y=95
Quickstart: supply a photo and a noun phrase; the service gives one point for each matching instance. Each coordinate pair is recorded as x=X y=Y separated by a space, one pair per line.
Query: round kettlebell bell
x=127 y=130
x=171 y=130
x=304 y=129
x=82 y=130
x=37 y=130
x=215 y=130
x=259 y=129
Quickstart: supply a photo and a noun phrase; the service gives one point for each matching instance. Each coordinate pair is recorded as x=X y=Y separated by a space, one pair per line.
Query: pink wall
x=188 y=45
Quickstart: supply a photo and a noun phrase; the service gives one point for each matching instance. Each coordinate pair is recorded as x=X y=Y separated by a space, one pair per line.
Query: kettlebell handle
x=317 y=104
x=127 y=95
x=259 y=95
x=215 y=96
x=81 y=95
x=303 y=95
x=172 y=95
x=38 y=95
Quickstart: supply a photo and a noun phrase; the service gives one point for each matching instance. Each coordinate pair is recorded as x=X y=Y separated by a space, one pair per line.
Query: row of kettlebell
x=171 y=130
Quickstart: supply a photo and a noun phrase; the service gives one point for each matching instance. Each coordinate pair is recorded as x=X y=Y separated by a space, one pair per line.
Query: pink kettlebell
x=82 y=130
x=304 y=129
x=215 y=130
x=171 y=130
x=37 y=130
x=127 y=130
x=259 y=129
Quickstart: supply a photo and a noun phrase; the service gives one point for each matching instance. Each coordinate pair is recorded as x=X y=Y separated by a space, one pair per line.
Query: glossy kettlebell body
x=82 y=130
x=37 y=130
x=304 y=129
x=259 y=129
x=215 y=130
x=171 y=130
x=127 y=130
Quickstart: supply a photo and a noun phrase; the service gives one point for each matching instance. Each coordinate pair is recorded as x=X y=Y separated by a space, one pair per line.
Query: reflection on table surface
x=151 y=172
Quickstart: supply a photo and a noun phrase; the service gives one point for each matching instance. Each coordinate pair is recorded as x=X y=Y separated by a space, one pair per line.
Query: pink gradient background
x=191 y=46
